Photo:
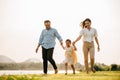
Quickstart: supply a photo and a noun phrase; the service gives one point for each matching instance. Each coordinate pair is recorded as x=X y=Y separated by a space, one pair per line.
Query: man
x=47 y=41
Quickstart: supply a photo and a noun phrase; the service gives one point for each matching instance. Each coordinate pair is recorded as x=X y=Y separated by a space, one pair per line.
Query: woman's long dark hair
x=83 y=23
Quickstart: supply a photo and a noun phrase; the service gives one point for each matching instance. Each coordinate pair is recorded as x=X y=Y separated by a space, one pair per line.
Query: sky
x=21 y=22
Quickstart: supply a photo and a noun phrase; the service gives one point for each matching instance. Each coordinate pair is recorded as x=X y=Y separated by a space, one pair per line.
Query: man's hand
x=36 y=50
x=61 y=43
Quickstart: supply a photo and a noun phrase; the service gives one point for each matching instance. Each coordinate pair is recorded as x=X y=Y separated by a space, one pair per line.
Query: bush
x=101 y=67
x=97 y=68
x=114 y=67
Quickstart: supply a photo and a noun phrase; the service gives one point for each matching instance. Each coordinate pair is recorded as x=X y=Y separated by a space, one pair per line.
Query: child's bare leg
x=66 y=66
x=73 y=68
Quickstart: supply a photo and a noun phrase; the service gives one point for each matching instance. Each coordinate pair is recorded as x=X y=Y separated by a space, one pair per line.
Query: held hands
x=74 y=46
x=73 y=43
x=61 y=43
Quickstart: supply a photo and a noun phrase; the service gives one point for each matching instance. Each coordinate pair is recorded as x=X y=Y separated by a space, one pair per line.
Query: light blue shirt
x=47 y=38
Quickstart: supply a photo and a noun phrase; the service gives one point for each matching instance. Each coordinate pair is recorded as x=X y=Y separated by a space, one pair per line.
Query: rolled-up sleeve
x=58 y=35
x=81 y=32
x=41 y=38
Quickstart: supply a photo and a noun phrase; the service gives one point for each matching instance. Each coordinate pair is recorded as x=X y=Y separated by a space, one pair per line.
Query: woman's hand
x=98 y=48
x=79 y=37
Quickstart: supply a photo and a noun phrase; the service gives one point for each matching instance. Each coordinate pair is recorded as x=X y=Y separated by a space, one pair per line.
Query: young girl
x=70 y=55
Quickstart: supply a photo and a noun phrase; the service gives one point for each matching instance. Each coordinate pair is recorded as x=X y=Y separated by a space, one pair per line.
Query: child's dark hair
x=68 y=40
x=46 y=21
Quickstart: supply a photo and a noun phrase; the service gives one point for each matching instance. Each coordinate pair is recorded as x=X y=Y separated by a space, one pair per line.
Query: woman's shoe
x=93 y=70
x=87 y=72
x=65 y=73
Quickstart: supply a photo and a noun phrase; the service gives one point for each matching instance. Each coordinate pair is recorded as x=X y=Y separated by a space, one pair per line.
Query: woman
x=89 y=34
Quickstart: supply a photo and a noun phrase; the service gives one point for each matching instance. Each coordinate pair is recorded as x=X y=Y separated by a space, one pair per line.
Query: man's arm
x=58 y=37
x=40 y=42
x=37 y=47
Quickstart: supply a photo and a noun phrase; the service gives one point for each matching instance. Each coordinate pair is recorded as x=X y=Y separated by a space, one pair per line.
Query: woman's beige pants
x=88 y=49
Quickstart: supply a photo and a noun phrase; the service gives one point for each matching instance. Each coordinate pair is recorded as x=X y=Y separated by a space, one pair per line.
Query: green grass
x=110 y=75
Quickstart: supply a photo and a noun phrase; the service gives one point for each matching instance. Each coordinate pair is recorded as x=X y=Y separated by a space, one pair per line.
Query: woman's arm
x=96 y=39
x=77 y=39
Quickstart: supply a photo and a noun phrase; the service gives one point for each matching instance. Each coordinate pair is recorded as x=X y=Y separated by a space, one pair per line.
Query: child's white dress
x=69 y=57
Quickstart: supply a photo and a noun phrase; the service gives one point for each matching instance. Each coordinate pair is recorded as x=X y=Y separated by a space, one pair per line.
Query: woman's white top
x=88 y=35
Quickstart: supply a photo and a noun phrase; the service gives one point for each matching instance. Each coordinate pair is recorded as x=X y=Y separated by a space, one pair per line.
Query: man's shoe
x=56 y=71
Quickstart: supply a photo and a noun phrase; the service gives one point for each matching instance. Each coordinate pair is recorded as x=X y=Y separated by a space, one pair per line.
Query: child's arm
x=74 y=47
x=62 y=46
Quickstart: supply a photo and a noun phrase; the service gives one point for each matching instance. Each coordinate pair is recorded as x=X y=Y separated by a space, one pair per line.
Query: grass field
x=110 y=75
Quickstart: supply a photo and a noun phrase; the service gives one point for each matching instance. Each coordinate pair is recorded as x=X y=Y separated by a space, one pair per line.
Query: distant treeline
x=39 y=66
x=33 y=66
x=103 y=67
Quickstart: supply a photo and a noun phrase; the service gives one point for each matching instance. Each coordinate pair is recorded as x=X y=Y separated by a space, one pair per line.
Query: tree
x=114 y=67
